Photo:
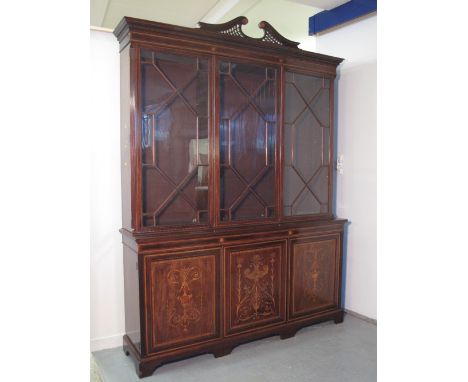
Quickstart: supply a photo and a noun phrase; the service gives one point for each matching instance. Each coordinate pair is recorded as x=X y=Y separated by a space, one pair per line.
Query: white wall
x=107 y=301
x=356 y=141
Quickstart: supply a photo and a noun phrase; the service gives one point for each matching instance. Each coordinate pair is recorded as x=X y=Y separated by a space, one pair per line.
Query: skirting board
x=361 y=316
x=107 y=342
x=117 y=340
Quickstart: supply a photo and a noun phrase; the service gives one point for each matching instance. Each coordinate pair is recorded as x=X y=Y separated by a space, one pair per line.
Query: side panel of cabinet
x=132 y=297
x=182 y=298
x=315 y=274
x=255 y=286
x=126 y=130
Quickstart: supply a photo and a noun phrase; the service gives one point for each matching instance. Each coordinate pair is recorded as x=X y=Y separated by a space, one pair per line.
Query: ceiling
x=107 y=13
x=324 y=4
x=289 y=17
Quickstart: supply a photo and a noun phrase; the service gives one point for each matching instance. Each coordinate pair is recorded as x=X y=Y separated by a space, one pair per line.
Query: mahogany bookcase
x=227 y=187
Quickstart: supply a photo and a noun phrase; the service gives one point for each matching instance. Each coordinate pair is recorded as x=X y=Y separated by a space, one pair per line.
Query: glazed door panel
x=255 y=285
x=314 y=274
x=183 y=298
x=307 y=139
x=174 y=139
x=247 y=141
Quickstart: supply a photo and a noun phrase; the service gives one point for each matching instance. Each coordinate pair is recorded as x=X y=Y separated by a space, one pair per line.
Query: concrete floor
x=325 y=352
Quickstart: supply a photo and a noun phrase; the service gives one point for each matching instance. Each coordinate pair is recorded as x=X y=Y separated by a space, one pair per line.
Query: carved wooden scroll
x=273 y=36
x=234 y=28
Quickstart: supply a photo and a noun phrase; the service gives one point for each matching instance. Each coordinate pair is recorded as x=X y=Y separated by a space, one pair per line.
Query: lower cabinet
x=182 y=298
x=314 y=280
x=255 y=286
x=195 y=301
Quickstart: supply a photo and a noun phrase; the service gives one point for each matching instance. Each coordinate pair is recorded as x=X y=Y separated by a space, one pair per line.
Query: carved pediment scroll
x=234 y=28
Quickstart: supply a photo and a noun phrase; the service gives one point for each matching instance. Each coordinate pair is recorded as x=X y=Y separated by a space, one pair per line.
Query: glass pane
x=247 y=141
x=306 y=144
x=174 y=139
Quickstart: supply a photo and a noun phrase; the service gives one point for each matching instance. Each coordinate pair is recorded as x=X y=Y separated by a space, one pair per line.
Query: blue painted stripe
x=341 y=14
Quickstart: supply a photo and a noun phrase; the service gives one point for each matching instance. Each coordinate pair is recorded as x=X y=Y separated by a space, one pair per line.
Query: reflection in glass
x=306 y=144
x=174 y=139
x=247 y=141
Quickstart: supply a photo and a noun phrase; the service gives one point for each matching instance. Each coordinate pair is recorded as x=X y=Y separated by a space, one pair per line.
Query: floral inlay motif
x=186 y=310
x=255 y=288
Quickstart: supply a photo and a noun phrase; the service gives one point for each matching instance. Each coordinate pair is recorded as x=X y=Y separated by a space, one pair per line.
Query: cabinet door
x=182 y=298
x=255 y=286
x=307 y=145
x=247 y=141
x=174 y=139
x=314 y=283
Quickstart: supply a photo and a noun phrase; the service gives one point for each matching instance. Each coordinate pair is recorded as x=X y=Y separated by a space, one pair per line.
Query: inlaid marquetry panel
x=314 y=277
x=183 y=298
x=255 y=285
